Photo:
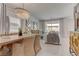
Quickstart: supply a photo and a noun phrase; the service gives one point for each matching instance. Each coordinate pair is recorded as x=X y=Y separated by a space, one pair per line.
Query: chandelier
x=22 y=13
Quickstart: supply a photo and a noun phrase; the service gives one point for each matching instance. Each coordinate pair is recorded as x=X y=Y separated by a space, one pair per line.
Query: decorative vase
x=20 y=32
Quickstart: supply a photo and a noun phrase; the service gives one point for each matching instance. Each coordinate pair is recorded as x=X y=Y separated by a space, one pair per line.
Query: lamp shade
x=22 y=13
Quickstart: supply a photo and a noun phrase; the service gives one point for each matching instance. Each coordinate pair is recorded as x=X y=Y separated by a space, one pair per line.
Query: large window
x=53 y=27
x=15 y=24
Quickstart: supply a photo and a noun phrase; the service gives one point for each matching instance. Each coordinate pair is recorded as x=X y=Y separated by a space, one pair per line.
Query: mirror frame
x=76 y=17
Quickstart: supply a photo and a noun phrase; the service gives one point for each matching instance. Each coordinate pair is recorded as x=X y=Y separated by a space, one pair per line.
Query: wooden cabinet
x=24 y=48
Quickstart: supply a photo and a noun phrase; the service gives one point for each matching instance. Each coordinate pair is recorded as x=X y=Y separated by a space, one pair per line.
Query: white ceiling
x=45 y=10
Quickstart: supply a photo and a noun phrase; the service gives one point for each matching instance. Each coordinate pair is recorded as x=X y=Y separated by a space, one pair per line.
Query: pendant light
x=22 y=13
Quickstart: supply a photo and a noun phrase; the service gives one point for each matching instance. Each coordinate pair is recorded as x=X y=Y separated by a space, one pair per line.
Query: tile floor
x=55 y=50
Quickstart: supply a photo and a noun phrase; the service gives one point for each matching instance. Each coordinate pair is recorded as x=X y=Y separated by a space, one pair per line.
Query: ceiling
x=45 y=11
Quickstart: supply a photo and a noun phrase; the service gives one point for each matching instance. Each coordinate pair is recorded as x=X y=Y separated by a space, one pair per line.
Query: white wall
x=68 y=23
x=68 y=26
